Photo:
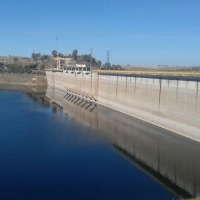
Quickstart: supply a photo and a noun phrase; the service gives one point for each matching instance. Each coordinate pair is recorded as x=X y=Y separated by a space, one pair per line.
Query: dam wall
x=167 y=103
x=83 y=83
x=172 y=103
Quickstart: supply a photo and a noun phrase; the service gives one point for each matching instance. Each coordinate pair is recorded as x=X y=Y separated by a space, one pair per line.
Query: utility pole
x=107 y=59
x=91 y=51
x=91 y=56
x=57 y=45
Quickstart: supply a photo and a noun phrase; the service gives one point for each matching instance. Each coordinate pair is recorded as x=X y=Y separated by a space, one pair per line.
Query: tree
x=86 y=57
x=54 y=53
x=15 y=59
x=93 y=60
x=38 y=55
x=99 y=63
x=60 y=55
x=74 y=54
x=33 y=56
x=44 y=57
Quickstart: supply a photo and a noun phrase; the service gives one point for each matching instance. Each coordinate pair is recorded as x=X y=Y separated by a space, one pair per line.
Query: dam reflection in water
x=170 y=159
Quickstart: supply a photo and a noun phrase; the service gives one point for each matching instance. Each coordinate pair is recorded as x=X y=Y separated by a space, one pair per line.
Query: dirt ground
x=23 y=79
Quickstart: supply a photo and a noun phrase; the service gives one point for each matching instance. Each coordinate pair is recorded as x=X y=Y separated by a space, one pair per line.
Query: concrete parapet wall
x=165 y=102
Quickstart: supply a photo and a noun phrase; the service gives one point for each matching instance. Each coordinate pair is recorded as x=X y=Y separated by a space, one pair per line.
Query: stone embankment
x=23 y=79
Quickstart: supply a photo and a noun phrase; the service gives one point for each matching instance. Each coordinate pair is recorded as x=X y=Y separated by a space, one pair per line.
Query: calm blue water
x=47 y=155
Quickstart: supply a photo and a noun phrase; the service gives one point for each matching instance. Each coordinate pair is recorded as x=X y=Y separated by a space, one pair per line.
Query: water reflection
x=37 y=93
x=170 y=159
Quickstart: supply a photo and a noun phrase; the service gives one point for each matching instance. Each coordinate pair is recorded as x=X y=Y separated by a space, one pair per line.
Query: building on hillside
x=63 y=63
x=78 y=68
x=80 y=63
x=71 y=65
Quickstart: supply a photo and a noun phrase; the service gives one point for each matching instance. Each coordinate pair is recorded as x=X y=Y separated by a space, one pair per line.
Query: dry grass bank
x=23 y=79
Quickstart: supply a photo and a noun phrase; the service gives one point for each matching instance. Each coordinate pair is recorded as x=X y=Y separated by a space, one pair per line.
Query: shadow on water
x=168 y=158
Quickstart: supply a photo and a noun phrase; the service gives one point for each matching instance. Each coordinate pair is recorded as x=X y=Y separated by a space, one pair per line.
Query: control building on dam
x=169 y=101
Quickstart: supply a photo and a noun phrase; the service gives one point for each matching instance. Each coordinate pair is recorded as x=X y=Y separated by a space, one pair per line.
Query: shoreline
x=23 y=79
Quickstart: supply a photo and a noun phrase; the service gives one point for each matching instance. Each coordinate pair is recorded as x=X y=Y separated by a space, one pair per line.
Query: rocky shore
x=23 y=79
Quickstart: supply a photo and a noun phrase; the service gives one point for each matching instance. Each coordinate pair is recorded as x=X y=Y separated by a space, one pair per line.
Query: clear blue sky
x=136 y=32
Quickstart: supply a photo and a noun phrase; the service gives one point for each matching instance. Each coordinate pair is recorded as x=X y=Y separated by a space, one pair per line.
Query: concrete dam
x=169 y=102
